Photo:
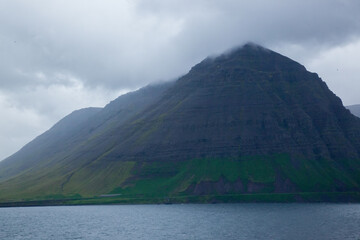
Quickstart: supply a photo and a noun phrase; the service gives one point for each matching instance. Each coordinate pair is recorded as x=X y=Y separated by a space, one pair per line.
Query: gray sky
x=61 y=55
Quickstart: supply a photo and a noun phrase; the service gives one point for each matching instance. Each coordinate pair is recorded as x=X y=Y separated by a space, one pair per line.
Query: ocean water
x=190 y=221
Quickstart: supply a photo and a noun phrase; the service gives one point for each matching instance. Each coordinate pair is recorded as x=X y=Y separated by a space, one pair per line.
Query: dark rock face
x=251 y=101
x=283 y=185
x=223 y=186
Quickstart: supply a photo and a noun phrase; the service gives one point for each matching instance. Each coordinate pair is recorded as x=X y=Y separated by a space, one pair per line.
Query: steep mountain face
x=250 y=102
x=354 y=109
x=250 y=121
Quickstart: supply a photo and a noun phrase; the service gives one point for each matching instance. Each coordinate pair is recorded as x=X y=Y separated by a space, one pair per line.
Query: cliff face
x=249 y=102
x=249 y=121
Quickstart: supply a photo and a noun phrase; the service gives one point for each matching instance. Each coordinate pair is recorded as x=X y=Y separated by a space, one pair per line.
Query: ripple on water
x=192 y=221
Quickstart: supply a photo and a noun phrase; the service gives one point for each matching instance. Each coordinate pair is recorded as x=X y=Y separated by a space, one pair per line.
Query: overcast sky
x=60 y=55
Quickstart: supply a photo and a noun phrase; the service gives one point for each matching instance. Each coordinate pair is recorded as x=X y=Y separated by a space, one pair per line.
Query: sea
x=183 y=221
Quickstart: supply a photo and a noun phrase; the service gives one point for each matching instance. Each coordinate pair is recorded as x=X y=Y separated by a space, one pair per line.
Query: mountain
x=78 y=127
x=45 y=151
x=354 y=109
x=46 y=145
x=250 y=124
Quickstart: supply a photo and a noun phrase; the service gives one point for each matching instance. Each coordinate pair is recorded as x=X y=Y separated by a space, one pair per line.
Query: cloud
x=32 y=110
x=18 y=126
x=339 y=66
x=58 y=55
x=130 y=43
x=105 y=44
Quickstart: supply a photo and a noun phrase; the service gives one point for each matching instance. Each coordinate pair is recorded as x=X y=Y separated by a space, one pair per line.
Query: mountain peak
x=249 y=57
x=251 y=46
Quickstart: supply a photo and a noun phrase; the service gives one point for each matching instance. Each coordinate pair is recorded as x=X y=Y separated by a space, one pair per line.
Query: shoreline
x=301 y=197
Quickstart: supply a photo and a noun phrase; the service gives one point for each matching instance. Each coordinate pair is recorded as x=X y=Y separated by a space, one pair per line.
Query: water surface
x=192 y=221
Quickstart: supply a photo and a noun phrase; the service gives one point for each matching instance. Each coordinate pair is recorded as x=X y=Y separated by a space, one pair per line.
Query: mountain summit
x=250 y=121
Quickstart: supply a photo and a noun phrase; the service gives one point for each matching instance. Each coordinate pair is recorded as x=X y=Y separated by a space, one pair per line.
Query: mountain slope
x=44 y=145
x=76 y=128
x=250 y=121
x=250 y=102
x=354 y=109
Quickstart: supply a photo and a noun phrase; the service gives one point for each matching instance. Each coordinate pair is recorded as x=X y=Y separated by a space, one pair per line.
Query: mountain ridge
x=97 y=119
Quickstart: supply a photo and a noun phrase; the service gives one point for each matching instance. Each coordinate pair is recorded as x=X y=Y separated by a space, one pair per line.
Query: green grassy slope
x=275 y=175
x=245 y=175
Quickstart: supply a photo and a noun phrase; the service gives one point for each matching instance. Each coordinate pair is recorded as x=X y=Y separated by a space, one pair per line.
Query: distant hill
x=354 y=109
x=76 y=129
x=249 y=125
